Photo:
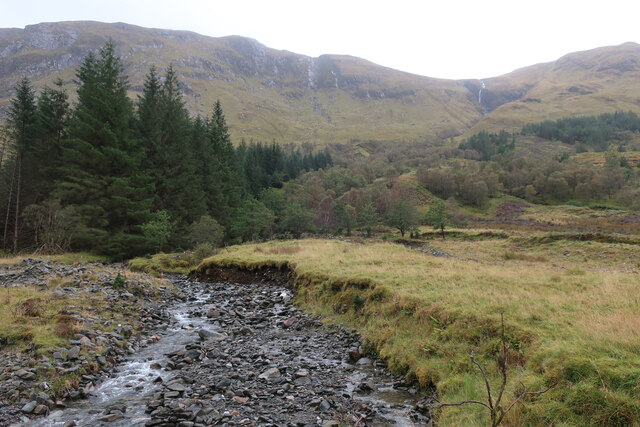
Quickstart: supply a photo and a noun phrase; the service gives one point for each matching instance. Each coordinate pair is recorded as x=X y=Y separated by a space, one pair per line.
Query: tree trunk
x=17 y=217
x=4 y=147
x=6 y=219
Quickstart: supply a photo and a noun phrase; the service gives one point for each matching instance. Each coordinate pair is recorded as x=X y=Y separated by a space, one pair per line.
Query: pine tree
x=53 y=127
x=224 y=187
x=165 y=129
x=101 y=177
x=22 y=127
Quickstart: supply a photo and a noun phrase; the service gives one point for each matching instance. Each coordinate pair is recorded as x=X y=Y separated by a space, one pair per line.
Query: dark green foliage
x=437 y=216
x=206 y=230
x=403 y=216
x=296 y=219
x=25 y=167
x=253 y=220
x=489 y=144
x=119 y=282
x=164 y=128
x=222 y=182
x=368 y=218
x=158 y=230
x=345 y=217
x=591 y=131
x=268 y=166
x=101 y=175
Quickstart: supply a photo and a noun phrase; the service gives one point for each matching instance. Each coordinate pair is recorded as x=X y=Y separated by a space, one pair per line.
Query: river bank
x=199 y=354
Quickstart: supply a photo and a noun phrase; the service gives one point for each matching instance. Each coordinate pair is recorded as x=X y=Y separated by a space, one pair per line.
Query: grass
x=66 y=258
x=569 y=323
x=158 y=264
x=31 y=316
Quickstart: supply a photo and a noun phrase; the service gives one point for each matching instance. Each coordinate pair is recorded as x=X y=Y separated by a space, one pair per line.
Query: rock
x=213 y=313
x=110 y=418
x=29 y=407
x=25 y=375
x=324 y=405
x=366 y=386
x=41 y=410
x=127 y=330
x=302 y=373
x=364 y=361
x=289 y=322
x=70 y=423
x=73 y=353
x=354 y=354
x=206 y=335
x=86 y=342
x=270 y=374
x=241 y=400
x=176 y=387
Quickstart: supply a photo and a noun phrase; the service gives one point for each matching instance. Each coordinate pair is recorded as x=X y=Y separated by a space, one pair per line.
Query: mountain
x=582 y=83
x=272 y=94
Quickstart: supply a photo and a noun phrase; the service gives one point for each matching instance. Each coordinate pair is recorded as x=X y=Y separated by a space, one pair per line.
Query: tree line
x=593 y=132
x=126 y=178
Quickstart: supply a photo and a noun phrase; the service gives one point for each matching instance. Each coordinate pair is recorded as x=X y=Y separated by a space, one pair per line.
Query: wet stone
x=231 y=354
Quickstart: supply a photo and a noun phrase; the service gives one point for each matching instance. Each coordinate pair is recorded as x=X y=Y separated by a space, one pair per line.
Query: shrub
x=119 y=282
x=202 y=251
x=206 y=230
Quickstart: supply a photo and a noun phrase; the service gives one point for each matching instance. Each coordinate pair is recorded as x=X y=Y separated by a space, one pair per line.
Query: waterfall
x=482 y=86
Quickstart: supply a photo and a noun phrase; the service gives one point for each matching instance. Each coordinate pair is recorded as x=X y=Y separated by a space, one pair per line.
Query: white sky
x=445 y=38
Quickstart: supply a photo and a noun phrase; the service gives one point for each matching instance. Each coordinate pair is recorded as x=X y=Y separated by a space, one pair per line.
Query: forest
x=126 y=178
x=121 y=178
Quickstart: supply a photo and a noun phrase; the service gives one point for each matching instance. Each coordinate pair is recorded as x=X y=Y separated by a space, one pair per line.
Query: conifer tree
x=53 y=127
x=164 y=127
x=101 y=177
x=22 y=127
x=223 y=185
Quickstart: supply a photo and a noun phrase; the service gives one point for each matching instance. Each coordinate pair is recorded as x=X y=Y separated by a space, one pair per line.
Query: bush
x=119 y=282
x=206 y=230
x=202 y=251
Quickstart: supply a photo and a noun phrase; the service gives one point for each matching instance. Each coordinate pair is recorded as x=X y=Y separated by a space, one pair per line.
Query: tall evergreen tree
x=165 y=129
x=53 y=127
x=22 y=127
x=223 y=186
x=101 y=177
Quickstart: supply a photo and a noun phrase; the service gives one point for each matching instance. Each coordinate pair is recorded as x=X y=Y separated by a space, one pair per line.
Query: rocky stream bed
x=208 y=354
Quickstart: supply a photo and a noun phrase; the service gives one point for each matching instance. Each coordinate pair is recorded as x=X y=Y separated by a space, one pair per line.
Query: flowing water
x=134 y=382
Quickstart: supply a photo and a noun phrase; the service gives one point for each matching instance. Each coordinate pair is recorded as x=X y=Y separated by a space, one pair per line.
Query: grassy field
x=570 y=308
x=39 y=317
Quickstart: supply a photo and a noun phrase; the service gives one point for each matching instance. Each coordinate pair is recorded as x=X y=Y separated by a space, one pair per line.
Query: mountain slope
x=266 y=93
x=271 y=94
x=582 y=83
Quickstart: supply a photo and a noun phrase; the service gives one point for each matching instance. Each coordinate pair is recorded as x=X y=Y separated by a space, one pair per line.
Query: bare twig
x=440 y=404
x=525 y=393
x=496 y=411
x=486 y=380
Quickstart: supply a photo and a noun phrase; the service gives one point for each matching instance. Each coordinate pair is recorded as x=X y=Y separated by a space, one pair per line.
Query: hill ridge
x=269 y=93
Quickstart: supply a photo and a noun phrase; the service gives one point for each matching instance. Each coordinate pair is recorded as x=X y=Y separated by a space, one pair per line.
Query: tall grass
x=426 y=314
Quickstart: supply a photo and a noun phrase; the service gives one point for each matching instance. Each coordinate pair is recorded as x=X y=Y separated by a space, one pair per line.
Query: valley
x=206 y=231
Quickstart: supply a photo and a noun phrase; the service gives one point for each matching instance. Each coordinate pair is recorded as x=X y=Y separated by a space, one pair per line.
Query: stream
x=236 y=354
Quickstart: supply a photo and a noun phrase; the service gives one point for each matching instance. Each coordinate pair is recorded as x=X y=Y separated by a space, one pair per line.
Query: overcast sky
x=444 y=38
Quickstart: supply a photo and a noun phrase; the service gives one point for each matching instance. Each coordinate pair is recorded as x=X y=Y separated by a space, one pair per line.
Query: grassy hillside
x=570 y=323
x=582 y=83
x=265 y=93
x=268 y=93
